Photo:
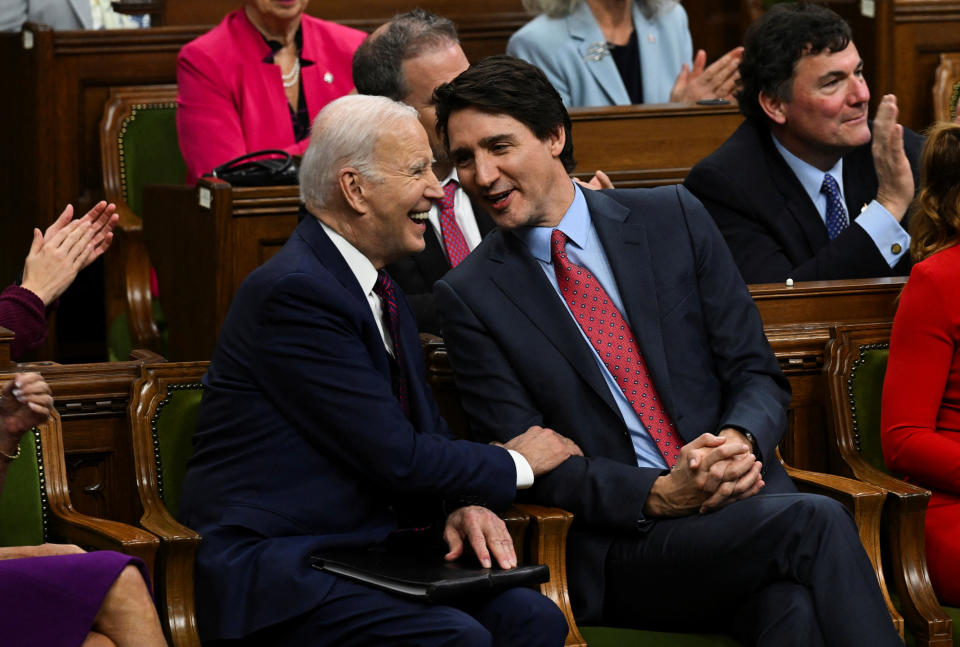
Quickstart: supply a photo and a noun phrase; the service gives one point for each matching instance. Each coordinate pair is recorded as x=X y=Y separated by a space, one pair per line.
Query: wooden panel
x=648 y=145
x=203 y=253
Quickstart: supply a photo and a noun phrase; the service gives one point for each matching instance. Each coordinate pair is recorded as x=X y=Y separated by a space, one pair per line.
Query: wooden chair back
x=163 y=411
x=945 y=86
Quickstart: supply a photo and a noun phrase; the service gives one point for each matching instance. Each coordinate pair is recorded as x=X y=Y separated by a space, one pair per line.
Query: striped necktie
x=386 y=290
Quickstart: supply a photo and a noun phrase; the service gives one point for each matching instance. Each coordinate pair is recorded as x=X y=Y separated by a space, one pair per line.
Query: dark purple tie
x=614 y=342
x=387 y=291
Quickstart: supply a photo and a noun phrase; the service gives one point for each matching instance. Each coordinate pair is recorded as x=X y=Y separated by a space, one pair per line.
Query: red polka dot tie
x=614 y=342
x=453 y=240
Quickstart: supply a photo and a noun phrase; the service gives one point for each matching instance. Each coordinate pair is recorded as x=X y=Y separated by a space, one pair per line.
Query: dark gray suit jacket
x=769 y=221
x=520 y=360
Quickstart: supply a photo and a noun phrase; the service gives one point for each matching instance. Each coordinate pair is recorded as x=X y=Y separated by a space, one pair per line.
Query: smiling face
x=826 y=115
x=395 y=204
x=517 y=178
x=422 y=74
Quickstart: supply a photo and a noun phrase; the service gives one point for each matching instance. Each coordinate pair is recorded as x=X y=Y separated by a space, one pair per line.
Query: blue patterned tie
x=836 y=214
x=385 y=289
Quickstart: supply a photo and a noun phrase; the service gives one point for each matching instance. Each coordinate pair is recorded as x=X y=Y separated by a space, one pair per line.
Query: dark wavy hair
x=507 y=85
x=935 y=216
x=378 y=62
x=776 y=41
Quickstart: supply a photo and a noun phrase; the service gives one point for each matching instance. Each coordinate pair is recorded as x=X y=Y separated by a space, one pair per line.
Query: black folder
x=415 y=575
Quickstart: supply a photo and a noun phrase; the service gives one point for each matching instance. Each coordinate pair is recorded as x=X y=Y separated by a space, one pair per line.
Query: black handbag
x=256 y=169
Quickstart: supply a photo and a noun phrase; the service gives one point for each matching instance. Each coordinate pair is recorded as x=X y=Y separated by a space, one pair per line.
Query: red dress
x=921 y=407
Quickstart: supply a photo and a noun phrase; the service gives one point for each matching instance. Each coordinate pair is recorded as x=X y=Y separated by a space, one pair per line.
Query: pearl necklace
x=293 y=76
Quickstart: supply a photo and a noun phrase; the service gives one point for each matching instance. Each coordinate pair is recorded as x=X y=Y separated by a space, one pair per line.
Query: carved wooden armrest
x=865 y=503
x=92 y=533
x=903 y=523
x=517 y=523
x=547 y=544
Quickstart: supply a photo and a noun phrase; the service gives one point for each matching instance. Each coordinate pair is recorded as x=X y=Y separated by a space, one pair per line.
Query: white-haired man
x=317 y=394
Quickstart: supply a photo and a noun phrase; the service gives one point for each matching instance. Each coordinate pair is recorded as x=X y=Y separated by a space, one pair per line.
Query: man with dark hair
x=618 y=318
x=798 y=191
x=405 y=59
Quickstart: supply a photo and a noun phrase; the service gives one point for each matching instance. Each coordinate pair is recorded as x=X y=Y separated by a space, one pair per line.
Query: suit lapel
x=627 y=250
x=316 y=238
x=795 y=199
x=520 y=278
x=591 y=46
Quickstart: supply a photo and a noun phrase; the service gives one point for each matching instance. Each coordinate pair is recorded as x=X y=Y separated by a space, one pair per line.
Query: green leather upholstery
x=173 y=426
x=23 y=506
x=865 y=387
x=149 y=151
x=612 y=637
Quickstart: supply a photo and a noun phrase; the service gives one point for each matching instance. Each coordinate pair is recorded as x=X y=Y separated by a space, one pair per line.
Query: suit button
x=895 y=248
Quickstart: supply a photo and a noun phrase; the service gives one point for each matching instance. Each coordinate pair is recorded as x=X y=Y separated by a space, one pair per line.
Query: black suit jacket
x=417 y=273
x=521 y=360
x=769 y=221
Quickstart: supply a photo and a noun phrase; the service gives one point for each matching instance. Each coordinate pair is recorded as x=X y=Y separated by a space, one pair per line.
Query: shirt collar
x=811 y=178
x=575 y=224
x=359 y=264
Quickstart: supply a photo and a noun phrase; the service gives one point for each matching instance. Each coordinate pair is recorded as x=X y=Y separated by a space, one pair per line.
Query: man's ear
x=774 y=107
x=556 y=140
x=352 y=187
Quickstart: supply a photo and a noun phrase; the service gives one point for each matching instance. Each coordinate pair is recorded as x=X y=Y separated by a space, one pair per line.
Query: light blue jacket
x=570 y=52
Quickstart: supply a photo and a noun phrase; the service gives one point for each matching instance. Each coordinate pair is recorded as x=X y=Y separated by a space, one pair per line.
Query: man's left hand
x=484 y=531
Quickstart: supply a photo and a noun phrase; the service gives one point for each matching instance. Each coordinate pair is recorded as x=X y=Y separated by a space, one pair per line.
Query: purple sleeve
x=23 y=312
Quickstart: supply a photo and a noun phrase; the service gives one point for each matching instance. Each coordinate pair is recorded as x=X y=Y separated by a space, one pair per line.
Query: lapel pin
x=596 y=51
x=328 y=77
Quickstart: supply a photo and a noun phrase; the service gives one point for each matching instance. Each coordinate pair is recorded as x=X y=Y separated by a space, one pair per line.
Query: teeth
x=421 y=216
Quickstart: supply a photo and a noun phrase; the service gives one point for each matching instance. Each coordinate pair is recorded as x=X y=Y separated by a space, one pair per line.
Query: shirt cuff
x=524 y=472
x=887 y=234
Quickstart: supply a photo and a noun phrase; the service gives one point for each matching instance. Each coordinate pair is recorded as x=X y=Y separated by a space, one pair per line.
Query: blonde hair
x=935 y=216
x=562 y=8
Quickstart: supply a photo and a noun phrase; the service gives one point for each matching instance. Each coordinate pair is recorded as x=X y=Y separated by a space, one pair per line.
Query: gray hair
x=378 y=62
x=345 y=133
x=562 y=8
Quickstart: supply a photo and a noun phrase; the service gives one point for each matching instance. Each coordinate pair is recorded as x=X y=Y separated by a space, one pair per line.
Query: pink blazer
x=230 y=102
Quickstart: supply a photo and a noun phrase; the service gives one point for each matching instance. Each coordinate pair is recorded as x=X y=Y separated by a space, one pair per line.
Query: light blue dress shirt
x=882 y=228
x=584 y=249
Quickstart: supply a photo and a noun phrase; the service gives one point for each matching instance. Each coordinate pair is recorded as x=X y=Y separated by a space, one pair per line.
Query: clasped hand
x=712 y=472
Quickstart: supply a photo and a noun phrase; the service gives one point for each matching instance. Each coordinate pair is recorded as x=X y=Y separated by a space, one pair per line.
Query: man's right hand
x=543 y=448
x=712 y=472
x=894 y=176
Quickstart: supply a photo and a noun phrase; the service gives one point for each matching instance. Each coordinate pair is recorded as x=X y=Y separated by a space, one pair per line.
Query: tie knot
x=449 y=190
x=383 y=288
x=558 y=242
x=829 y=185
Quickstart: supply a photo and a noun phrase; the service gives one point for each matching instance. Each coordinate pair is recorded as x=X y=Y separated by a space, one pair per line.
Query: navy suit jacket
x=520 y=360
x=769 y=221
x=301 y=444
x=416 y=274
